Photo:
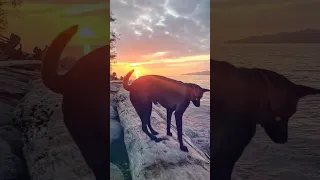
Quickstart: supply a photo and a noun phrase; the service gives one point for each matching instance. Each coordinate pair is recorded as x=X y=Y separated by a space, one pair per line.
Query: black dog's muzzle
x=277 y=131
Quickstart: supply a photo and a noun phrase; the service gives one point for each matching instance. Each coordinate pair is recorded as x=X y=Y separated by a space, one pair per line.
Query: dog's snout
x=281 y=141
x=277 y=131
x=196 y=103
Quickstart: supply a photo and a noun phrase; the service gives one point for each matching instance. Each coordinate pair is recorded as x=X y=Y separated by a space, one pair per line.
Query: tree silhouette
x=4 y=13
x=113 y=38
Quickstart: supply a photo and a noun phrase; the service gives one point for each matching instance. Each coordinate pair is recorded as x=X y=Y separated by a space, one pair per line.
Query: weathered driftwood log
x=164 y=160
x=14 y=85
x=49 y=150
x=19 y=62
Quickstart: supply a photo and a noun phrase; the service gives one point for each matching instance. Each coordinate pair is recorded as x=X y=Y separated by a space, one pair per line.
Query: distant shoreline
x=198 y=73
x=306 y=36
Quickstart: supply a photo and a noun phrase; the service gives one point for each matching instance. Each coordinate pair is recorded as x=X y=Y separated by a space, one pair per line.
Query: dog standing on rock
x=85 y=103
x=171 y=94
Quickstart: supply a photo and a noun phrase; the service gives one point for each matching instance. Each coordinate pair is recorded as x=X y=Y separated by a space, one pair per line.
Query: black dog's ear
x=205 y=90
x=303 y=90
x=276 y=97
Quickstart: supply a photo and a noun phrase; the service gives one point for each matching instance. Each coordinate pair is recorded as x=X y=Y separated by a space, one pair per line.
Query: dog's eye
x=278 y=119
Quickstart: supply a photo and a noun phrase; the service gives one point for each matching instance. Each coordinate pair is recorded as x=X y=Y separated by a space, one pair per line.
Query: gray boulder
x=115 y=173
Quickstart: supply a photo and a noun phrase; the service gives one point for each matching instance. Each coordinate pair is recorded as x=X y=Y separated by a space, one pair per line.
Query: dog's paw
x=155 y=133
x=157 y=140
x=184 y=148
x=169 y=133
x=153 y=138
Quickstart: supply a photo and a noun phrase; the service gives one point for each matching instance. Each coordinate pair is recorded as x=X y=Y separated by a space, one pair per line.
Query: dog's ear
x=205 y=90
x=303 y=90
x=276 y=93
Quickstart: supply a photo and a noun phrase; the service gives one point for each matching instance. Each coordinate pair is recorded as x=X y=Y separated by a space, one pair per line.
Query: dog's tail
x=50 y=63
x=125 y=83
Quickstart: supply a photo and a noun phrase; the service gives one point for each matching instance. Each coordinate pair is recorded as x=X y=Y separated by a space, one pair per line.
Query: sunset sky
x=236 y=19
x=165 y=37
x=38 y=22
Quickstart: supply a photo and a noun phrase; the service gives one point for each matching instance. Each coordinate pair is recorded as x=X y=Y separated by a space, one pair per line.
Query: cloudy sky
x=235 y=19
x=37 y=22
x=167 y=37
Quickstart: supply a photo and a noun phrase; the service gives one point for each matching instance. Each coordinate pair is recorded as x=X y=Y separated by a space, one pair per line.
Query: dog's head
x=280 y=104
x=196 y=93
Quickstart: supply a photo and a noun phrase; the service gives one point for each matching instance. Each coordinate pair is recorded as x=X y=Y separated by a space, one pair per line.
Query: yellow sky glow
x=42 y=22
x=186 y=64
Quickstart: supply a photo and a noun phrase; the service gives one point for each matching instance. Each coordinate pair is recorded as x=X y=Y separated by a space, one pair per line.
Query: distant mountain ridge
x=302 y=36
x=198 y=73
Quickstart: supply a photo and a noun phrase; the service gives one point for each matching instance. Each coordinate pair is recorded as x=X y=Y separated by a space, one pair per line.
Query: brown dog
x=171 y=94
x=241 y=99
x=85 y=106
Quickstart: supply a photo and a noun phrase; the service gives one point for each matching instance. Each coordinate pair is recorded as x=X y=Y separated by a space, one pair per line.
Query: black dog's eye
x=278 y=119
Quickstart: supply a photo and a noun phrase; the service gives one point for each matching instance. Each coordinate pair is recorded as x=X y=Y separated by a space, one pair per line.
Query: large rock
x=49 y=150
x=163 y=160
x=115 y=131
x=115 y=173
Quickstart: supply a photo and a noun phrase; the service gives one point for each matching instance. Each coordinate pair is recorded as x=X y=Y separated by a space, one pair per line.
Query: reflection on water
x=300 y=158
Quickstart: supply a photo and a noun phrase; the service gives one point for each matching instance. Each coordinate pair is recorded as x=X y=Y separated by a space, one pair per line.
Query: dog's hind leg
x=144 y=111
x=145 y=129
x=146 y=121
x=151 y=129
x=169 y=115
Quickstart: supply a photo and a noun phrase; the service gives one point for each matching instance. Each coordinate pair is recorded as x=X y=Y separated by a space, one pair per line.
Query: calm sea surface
x=299 y=159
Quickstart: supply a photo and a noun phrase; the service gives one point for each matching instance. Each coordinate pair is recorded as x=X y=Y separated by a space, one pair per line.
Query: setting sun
x=137 y=73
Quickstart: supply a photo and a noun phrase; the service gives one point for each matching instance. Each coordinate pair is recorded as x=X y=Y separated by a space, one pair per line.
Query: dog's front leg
x=169 y=115
x=178 y=116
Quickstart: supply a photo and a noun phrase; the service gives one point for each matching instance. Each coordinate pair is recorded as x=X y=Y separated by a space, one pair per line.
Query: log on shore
x=48 y=148
x=19 y=63
x=163 y=160
x=14 y=85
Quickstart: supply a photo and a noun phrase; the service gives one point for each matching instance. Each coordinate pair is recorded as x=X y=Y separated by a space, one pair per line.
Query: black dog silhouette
x=241 y=99
x=173 y=95
x=85 y=89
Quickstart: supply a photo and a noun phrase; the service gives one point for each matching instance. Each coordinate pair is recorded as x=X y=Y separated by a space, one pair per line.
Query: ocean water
x=196 y=120
x=299 y=158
